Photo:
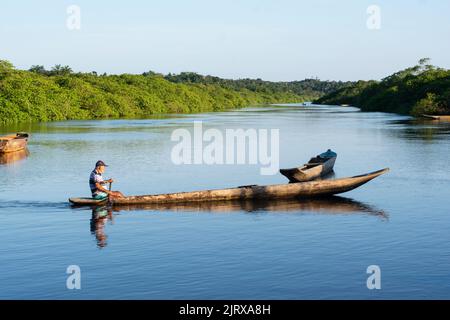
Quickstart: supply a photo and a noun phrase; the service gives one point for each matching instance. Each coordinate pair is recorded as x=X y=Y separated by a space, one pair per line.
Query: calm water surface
x=274 y=250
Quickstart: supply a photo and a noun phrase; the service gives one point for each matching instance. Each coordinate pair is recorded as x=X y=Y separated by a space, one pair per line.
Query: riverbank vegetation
x=38 y=94
x=422 y=89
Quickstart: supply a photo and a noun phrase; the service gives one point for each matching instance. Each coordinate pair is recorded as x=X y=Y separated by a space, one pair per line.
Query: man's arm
x=103 y=182
x=99 y=186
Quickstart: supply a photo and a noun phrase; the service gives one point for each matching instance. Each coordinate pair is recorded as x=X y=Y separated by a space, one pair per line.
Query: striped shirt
x=94 y=178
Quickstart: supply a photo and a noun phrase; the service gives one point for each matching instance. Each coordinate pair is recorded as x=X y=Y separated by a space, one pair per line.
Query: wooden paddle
x=109 y=189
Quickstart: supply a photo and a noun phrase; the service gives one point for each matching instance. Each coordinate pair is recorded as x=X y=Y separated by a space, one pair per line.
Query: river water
x=309 y=249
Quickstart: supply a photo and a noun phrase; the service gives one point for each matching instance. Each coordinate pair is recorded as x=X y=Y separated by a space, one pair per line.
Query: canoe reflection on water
x=330 y=205
x=10 y=157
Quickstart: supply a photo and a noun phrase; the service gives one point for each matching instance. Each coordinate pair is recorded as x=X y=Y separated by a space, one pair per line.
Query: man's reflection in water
x=100 y=216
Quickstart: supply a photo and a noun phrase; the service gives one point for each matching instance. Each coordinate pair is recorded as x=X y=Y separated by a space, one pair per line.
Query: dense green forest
x=38 y=94
x=422 y=89
x=60 y=94
x=309 y=87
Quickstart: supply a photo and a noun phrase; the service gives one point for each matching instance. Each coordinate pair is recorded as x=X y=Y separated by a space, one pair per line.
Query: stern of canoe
x=86 y=201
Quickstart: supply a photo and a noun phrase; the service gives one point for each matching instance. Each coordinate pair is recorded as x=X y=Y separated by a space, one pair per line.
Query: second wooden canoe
x=315 y=168
x=281 y=191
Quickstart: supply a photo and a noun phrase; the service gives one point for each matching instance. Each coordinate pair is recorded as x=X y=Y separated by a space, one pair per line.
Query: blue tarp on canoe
x=328 y=154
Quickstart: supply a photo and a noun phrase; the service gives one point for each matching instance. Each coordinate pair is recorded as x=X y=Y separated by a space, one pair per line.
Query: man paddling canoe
x=96 y=183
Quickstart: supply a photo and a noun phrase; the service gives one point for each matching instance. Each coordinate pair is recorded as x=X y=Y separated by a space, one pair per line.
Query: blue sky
x=268 y=39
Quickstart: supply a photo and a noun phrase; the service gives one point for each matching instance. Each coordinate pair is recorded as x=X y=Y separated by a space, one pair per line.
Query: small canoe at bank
x=13 y=142
x=428 y=116
x=281 y=191
x=315 y=168
x=439 y=118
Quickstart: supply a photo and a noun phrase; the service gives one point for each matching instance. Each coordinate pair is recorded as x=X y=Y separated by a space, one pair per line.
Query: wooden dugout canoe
x=13 y=142
x=428 y=116
x=315 y=168
x=281 y=191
